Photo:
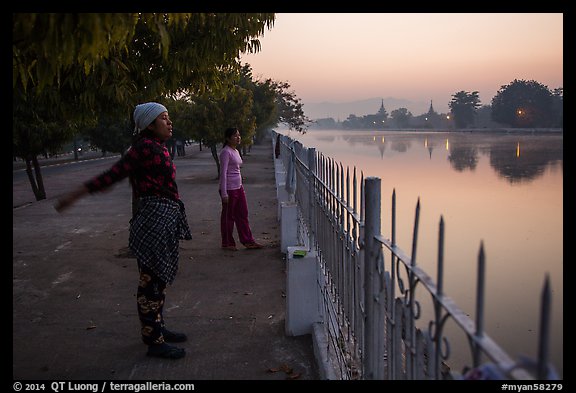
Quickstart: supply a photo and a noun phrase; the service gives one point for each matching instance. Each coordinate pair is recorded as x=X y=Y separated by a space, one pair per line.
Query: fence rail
x=367 y=284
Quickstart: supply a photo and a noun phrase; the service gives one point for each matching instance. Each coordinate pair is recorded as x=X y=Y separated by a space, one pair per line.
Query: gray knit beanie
x=145 y=114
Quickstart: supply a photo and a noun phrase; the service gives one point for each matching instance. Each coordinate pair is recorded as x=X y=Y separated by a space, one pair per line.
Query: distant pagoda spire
x=431 y=110
x=382 y=109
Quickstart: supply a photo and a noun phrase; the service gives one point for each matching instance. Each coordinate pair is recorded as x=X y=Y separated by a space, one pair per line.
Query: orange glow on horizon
x=344 y=57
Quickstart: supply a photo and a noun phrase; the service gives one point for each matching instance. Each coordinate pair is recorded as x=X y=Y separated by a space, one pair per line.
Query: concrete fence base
x=324 y=357
x=301 y=293
x=303 y=309
x=288 y=225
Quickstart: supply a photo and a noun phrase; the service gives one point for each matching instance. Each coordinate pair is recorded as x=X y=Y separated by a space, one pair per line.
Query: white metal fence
x=367 y=284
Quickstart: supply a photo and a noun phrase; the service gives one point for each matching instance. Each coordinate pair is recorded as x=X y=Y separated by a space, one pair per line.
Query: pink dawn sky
x=341 y=57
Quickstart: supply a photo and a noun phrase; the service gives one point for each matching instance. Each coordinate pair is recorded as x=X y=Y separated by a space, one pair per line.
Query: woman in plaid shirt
x=158 y=224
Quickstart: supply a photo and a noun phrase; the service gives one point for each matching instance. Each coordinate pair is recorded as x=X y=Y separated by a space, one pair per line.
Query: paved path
x=74 y=307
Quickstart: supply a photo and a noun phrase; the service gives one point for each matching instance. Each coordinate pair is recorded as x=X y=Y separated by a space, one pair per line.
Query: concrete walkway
x=74 y=284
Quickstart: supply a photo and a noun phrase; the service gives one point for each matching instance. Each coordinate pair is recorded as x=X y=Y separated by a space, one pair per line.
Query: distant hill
x=341 y=110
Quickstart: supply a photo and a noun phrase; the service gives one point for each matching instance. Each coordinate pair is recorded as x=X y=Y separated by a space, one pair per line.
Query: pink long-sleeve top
x=230 y=176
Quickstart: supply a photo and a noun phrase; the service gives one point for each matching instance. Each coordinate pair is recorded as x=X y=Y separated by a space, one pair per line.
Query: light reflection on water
x=504 y=190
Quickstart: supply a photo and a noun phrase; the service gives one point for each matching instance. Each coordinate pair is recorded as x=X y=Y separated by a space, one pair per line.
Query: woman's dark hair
x=228 y=133
x=142 y=133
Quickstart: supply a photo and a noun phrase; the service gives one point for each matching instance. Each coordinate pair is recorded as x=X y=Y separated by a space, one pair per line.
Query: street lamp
x=521 y=116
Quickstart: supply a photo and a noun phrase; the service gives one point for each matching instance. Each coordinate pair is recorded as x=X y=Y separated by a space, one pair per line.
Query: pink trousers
x=235 y=212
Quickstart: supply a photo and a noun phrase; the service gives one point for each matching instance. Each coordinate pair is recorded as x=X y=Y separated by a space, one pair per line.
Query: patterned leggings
x=150 y=300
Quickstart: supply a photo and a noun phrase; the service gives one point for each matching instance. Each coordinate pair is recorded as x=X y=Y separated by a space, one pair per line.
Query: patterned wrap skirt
x=155 y=233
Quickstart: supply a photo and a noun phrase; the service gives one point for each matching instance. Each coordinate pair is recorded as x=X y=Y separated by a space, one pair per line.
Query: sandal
x=165 y=351
x=230 y=248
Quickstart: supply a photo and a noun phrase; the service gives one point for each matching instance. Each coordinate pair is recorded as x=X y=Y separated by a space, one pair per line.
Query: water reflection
x=514 y=157
x=527 y=159
x=400 y=146
x=504 y=190
x=463 y=157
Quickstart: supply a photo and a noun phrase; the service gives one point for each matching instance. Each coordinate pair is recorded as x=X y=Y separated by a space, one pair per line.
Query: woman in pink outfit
x=234 y=206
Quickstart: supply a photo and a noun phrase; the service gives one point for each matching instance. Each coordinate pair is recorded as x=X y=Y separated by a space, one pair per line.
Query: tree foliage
x=290 y=107
x=107 y=63
x=273 y=103
x=110 y=134
x=264 y=104
x=524 y=103
x=236 y=109
x=401 y=116
x=558 y=106
x=463 y=107
x=112 y=61
x=84 y=41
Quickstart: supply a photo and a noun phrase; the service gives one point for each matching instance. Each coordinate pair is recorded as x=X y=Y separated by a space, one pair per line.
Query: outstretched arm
x=70 y=198
x=102 y=182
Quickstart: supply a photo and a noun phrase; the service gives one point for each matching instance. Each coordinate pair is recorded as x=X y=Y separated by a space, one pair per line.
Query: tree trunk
x=215 y=156
x=36 y=182
x=75 y=150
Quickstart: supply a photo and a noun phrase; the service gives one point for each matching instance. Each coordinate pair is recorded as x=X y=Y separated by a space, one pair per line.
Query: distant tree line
x=108 y=63
x=520 y=104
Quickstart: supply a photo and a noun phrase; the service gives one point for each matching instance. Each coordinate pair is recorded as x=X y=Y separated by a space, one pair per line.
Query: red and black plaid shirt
x=150 y=168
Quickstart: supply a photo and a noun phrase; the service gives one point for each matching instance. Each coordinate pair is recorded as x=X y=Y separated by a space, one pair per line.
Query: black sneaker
x=173 y=337
x=165 y=351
